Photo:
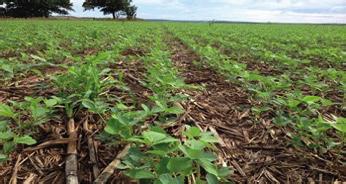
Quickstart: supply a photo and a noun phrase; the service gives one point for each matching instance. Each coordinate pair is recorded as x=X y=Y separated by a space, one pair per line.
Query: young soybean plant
x=156 y=157
x=17 y=120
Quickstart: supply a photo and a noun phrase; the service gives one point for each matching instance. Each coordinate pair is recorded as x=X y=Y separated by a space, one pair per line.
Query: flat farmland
x=166 y=102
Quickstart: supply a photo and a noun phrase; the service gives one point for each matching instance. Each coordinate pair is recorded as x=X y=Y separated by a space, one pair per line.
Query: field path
x=258 y=152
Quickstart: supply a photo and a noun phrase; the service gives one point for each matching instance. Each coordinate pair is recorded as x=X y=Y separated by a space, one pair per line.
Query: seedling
x=17 y=120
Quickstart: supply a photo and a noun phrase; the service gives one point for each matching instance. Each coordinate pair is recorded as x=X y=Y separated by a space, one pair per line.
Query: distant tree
x=36 y=8
x=2 y=11
x=131 y=12
x=114 y=7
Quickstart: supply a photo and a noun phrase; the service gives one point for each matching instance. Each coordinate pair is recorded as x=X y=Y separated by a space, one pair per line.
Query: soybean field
x=171 y=103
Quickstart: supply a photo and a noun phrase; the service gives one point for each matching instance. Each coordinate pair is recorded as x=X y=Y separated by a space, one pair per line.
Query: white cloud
x=162 y=2
x=310 y=11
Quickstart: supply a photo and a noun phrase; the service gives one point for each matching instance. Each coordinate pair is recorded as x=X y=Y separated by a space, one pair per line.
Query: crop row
x=88 y=85
x=308 y=99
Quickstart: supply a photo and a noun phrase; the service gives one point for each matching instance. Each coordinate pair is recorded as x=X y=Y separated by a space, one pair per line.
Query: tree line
x=45 y=8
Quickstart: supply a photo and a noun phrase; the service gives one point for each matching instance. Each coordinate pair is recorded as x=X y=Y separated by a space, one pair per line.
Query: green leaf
x=326 y=102
x=282 y=120
x=193 y=132
x=196 y=154
x=161 y=105
x=51 y=102
x=168 y=179
x=100 y=57
x=140 y=174
x=212 y=179
x=145 y=108
x=122 y=107
x=115 y=127
x=25 y=140
x=208 y=137
x=208 y=166
x=224 y=172
x=3 y=125
x=6 y=111
x=166 y=140
x=135 y=154
x=293 y=103
x=340 y=125
x=163 y=149
x=200 y=181
x=6 y=135
x=157 y=109
x=88 y=104
x=3 y=157
x=39 y=112
x=135 y=139
x=196 y=145
x=154 y=137
x=311 y=99
x=162 y=166
x=8 y=147
x=7 y=68
x=175 y=110
x=180 y=165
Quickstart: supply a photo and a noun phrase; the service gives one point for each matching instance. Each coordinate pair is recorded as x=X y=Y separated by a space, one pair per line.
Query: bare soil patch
x=134 y=52
x=262 y=67
x=30 y=84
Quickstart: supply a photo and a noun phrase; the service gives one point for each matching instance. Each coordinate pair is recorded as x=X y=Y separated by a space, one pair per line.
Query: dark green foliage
x=114 y=7
x=131 y=12
x=34 y=8
x=2 y=11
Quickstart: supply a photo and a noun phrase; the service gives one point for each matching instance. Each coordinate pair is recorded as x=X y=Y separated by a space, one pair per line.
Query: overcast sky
x=309 y=11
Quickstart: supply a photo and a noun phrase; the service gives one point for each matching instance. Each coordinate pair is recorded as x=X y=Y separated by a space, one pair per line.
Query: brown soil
x=87 y=52
x=258 y=151
x=134 y=52
x=30 y=84
x=47 y=165
x=262 y=67
x=11 y=53
x=133 y=75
